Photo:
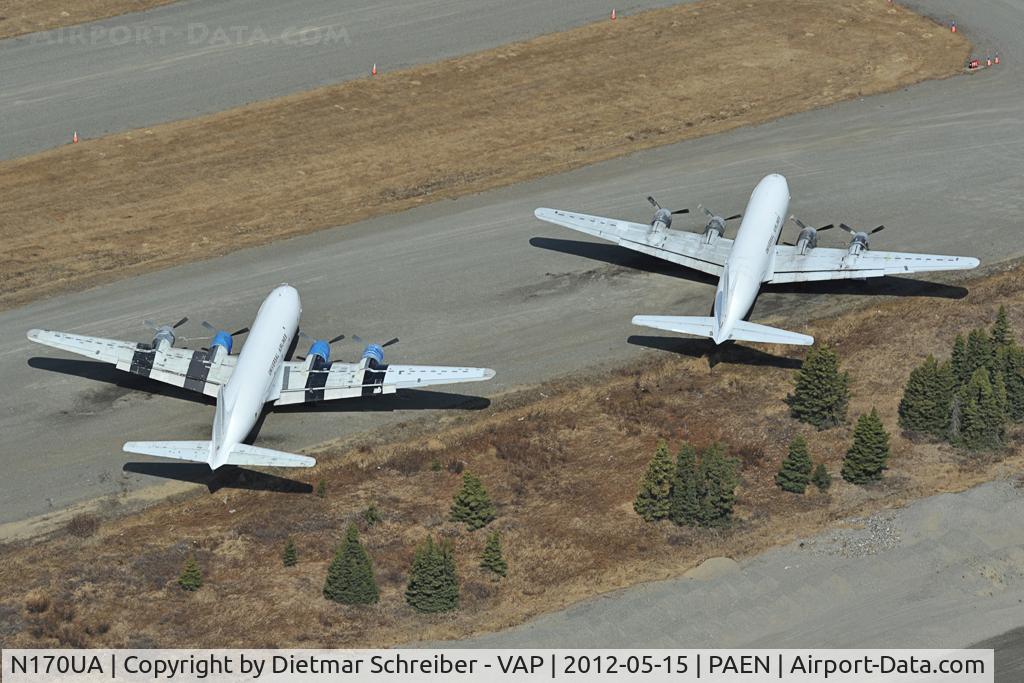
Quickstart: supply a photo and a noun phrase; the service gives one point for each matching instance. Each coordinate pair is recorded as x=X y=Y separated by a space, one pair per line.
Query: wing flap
x=839 y=264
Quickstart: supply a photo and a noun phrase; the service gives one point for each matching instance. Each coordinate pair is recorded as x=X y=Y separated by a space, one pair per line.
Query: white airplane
x=751 y=259
x=259 y=374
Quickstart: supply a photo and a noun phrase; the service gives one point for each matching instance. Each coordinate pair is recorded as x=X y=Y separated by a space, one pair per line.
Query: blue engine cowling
x=320 y=348
x=374 y=353
x=223 y=340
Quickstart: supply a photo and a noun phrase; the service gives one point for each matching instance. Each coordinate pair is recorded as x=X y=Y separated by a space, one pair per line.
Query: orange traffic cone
x=613 y=14
x=74 y=138
x=952 y=27
x=988 y=61
x=995 y=60
x=373 y=71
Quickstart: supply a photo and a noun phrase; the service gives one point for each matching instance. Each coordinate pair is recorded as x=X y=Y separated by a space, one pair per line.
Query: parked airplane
x=259 y=374
x=753 y=258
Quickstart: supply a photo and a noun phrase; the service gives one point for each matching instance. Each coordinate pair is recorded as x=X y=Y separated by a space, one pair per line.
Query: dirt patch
x=109 y=208
x=561 y=462
x=18 y=17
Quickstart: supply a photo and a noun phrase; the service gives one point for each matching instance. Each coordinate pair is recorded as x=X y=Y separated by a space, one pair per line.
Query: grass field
x=561 y=461
x=18 y=17
x=109 y=208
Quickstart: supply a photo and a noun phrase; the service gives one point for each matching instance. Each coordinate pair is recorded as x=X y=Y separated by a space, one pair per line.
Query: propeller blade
x=655 y=204
x=336 y=339
x=800 y=224
x=880 y=228
x=303 y=335
x=390 y=342
x=847 y=228
x=679 y=211
x=179 y=323
x=208 y=326
x=789 y=244
x=241 y=331
x=734 y=217
x=357 y=339
x=705 y=210
x=826 y=227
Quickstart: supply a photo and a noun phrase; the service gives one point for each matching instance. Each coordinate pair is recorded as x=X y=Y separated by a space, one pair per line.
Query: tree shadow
x=229 y=476
x=108 y=374
x=729 y=352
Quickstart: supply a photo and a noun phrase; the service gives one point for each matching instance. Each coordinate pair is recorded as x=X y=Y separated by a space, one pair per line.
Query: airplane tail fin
x=705 y=327
x=201 y=451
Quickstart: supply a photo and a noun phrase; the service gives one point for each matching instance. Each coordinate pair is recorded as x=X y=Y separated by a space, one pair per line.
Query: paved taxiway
x=479 y=281
x=195 y=57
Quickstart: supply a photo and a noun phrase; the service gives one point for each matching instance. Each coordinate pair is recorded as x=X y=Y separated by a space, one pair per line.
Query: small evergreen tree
x=1002 y=334
x=321 y=489
x=653 y=500
x=958 y=361
x=979 y=352
x=191 y=577
x=491 y=559
x=684 y=500
x=795 y=473
x=1010 y=361
x=926 y=399
x=290 y=556
x=718 y=481
x=981 y=420
x=371 y=515
x=350 y=579
x=822 y=391
x=869 y=453
x=472 y=505
x=821 y=478
x=433 y=584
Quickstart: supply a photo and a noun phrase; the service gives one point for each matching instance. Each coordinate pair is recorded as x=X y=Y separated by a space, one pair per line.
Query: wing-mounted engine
x=860 y=241
x=163 y=338
x=373 y=354
x=319 y=356
x=715 y=227
x=808 y=237
x=221 y=342
x=662 y=217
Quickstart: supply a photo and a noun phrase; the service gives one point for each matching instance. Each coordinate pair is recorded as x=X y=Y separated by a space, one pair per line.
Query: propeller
x=850 y=230
x=804 y=226
x=658 y=207
x=713 y=215
x=330 y=341
x=215 y=330
x=156 y=328
x=359 y=340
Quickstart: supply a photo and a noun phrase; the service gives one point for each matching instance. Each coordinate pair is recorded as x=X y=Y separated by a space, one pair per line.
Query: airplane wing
x=300 y=384
x=685 y=248
x=184 y=368
x=839 y=264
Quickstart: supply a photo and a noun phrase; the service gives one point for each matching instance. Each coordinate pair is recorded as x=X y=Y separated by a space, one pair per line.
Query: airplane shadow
x=108 y=374
x=613 y=254
x=229 y=477
x=406 y=399
x=730 y=352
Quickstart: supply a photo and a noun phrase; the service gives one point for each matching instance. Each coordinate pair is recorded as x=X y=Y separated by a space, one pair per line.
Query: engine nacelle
x=807 y=240
x=662 y=219
x=220 y=346
x=374 y=355
x=319 y=355
x=859 y=243
x=163 y=339
x=714 y=229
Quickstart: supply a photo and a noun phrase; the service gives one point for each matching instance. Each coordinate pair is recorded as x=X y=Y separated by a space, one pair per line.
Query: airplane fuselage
x=750 y=261
x=241 y=400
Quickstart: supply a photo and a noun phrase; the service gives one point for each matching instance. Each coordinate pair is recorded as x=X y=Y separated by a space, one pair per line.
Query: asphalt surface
x=197 y=57
x=930 y=575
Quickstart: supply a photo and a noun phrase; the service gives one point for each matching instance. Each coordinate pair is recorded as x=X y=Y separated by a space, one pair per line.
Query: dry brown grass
x=27 y=16
x=562 y=465
x=112 y=207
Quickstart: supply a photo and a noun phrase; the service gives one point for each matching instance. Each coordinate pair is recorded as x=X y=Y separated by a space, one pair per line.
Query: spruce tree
x=684 y=501
x=191 y=577
x=653 y=500
x=321 y=489
x=958 y=361
x=491 y=559
x=1010 y=360
x=718 y=481
x=981 y=419
x=1002 y=334
x=350 y=579
x=795 y=473
x=926 y=399
x=290 y=556
x=433 y=585
x=821 y=478
x=869 y=453
x=822 y=391
x=979 y=352
x=472 y=505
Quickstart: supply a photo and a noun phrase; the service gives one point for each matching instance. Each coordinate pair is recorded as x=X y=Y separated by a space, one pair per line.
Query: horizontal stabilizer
x=753 y=332
x=200 y=451
x=242 y=454
x=705 y=327
x=684 y=324
x=196 y=451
